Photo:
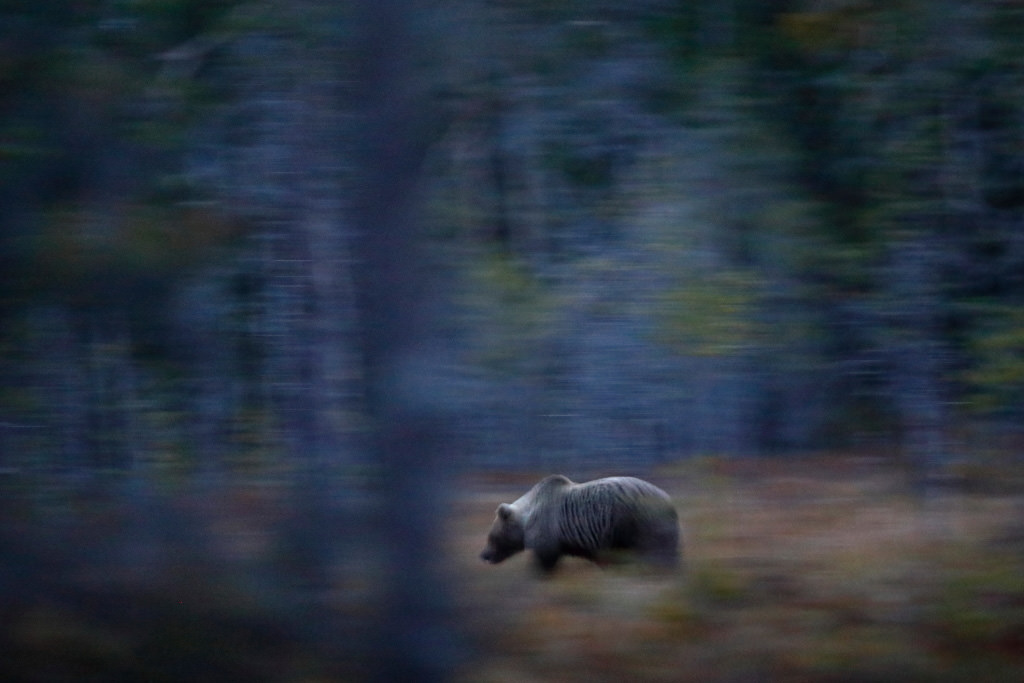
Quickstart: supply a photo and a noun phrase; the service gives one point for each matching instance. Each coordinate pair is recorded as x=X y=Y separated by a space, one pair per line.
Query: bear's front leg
x=546 y=561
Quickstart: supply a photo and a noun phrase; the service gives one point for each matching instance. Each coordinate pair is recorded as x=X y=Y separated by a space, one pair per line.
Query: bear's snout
x=487 y=555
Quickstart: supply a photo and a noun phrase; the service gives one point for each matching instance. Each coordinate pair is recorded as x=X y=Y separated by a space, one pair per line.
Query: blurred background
x=293 y=294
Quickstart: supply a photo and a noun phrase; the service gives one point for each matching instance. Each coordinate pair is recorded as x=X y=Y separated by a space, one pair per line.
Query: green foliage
x=750 y=168
x=710 y=316
x=582 y=169
x=997 y=377
x=979 y=614
x=512 y=308
x=587 y=38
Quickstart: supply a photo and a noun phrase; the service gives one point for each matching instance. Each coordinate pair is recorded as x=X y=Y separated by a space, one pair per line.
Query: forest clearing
x=797 y=569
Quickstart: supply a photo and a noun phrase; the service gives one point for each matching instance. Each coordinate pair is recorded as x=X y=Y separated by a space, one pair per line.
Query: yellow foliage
x=821 y=30
x=89 y=241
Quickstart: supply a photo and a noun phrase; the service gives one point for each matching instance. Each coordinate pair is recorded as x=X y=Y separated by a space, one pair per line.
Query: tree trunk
x=917 y=358
x=399 y=356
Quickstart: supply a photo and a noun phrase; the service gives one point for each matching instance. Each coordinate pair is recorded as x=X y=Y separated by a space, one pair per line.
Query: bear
x=596 y=520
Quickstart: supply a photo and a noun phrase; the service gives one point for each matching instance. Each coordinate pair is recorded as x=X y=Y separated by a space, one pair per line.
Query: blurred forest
x=282 y=282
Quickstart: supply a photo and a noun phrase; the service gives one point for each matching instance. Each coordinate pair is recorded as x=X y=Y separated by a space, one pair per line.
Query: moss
x=981 y=612
x=681 y=617
x=719 y=585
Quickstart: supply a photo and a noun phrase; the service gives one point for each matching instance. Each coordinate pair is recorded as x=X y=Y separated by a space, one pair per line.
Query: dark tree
x=400 y=354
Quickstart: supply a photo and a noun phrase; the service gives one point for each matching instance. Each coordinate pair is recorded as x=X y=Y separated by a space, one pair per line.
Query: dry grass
x=796 y=570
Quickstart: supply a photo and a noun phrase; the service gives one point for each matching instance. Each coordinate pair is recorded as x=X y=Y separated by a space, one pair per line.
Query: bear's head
x=506 y=537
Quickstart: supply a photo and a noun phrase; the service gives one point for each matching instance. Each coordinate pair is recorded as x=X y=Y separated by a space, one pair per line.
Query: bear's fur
x=593 y=520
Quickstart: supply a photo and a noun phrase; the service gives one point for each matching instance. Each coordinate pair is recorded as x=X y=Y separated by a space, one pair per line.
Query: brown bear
x=593 y=520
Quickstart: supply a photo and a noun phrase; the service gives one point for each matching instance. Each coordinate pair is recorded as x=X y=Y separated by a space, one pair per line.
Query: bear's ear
x=504 y=511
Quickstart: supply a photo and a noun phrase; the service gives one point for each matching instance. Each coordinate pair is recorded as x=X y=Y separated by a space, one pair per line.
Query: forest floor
x=803 y=569
x=798 y=570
